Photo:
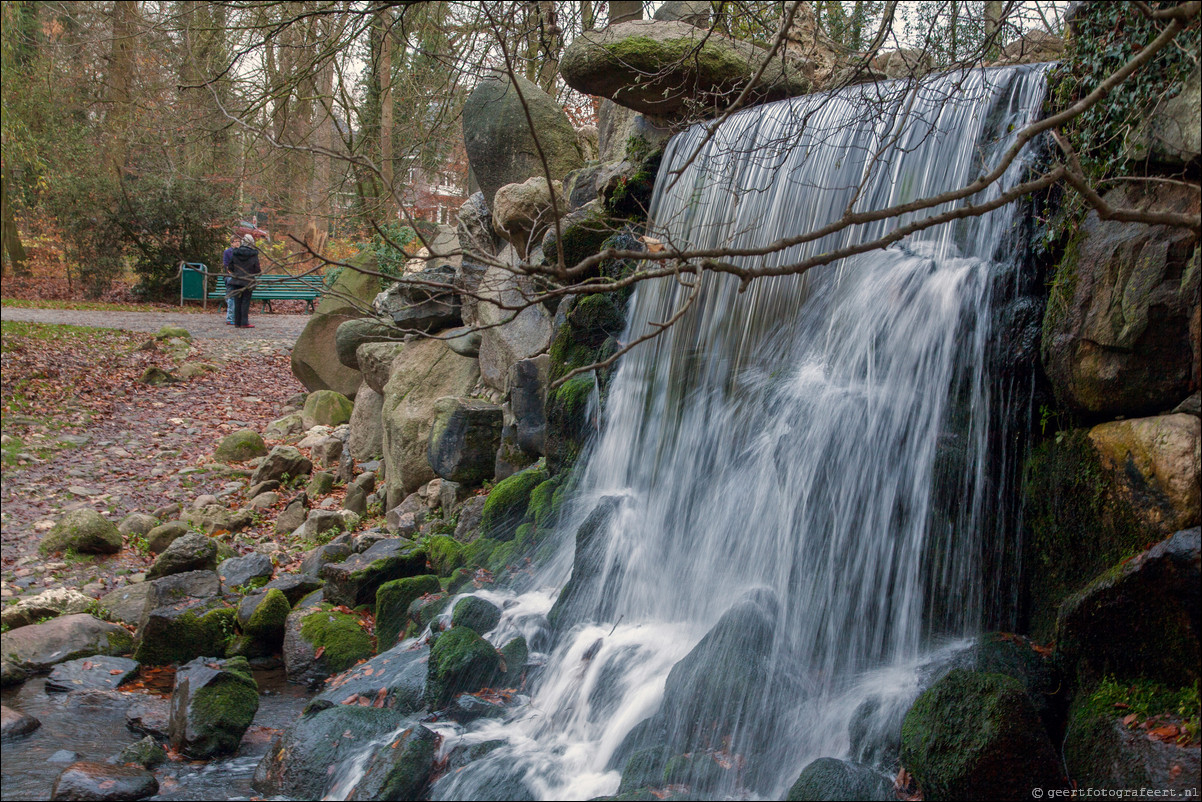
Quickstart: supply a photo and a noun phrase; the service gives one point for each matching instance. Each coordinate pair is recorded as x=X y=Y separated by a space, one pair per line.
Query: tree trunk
x=122 y=59
x=624 y=11
x=12 y=246
x=384 y=76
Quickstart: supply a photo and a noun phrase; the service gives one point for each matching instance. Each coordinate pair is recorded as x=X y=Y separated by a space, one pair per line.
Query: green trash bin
x=192 y=282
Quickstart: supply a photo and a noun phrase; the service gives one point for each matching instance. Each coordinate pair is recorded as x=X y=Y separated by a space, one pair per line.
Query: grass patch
x=97 y=306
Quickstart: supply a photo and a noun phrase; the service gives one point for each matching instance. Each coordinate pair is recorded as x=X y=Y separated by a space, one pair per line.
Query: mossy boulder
x=667 y=67
x=163 y=535
x=320 y=641
x=263 y=632
x=475 y=613
x=464 y=439
x=828 y=778
x=320 y=484
x=1080 y=525
x=240 y=446
x=1102 y=751
x=177 y=633
x=445 y=553
x=595 y=318
x=574 y=599
x=392 y=605
x=568 y=421
x=506 y=506
x=84 y=531
x=424 y=609
x=212 y=704
x=355 y=580
x=975 y=735
x=326 y=408
x=1139 y=619
x=460 y=661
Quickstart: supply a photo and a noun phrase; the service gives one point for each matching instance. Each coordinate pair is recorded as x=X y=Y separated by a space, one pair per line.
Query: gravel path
x=277 y=328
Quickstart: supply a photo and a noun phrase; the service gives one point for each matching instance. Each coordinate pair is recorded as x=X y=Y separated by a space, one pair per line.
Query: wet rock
x=165 y=534
x=85 y=531
x=399 y=770
x=1169 y=133
x=47 y=604
x=499 y=139
x=466 y=707
x=64 y=756
x=527 y=401
x=14 y=724
x=263 y=624
x=354 y=581
x=463 y=440
x=146 y=753
x=319 y=642
x=476 y=614
x=87 y=700
x=974 y=735
x=212 y=704
x=396 y=678
x=240 y=446
x=244 y=571
x=424 y=609
x=590 y=544
x=11 y=674
x=392 y=605
x=282 y=463
x=91 y=781
x=637 y=64
x=192 y=552
x=1117 y=331
x=149 y=715
x=1157 y=463
x=1140 y=618
x=297 y=762
x=39 y=647
x=127 y=603
x=829 y=778
x=460 y=661
x=104 y=673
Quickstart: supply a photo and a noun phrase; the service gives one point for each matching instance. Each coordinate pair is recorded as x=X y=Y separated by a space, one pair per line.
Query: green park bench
x=267 y=287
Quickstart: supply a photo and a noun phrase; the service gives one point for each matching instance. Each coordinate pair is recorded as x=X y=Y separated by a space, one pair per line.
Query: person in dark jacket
x=244 y=267
x=225 y=266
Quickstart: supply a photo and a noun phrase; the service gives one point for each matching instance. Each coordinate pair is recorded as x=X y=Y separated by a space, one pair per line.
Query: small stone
x=101 y=781
x=14 y=724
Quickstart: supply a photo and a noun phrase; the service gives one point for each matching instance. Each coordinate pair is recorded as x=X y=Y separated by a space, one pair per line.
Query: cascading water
x=788 y=505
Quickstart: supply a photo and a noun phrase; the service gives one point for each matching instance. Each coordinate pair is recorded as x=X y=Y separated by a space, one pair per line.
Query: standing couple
x=241 y=266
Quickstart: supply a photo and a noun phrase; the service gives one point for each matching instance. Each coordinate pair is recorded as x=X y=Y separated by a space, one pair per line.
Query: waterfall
x=805 y=470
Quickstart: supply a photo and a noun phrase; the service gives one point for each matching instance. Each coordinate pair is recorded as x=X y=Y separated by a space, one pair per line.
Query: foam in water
x=803 y=470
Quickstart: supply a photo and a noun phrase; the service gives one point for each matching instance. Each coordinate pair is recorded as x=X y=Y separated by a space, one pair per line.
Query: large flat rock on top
x=39 y=647
x=103 y=673
x=354 y=581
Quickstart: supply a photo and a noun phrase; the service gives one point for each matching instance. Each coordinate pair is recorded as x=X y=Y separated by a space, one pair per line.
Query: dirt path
x=149 y=450
x=275 y=327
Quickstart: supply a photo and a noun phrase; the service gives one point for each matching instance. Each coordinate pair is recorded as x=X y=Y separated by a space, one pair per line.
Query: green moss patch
x=392 y=606
x=507 y=503
x=460 y=660
x=344 y=641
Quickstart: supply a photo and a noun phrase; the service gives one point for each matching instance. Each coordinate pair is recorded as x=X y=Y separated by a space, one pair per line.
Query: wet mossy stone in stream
x=146 y=753
x=320 y=641
x=1037 y=668
x=179 y=627
x=444 y=552
x=568 y=428
x=399 y=769
x=85 y=531
x=460 y=661
x=87 y=779
x=240 y=446
x=595 y=318
x=514 y=655
x=506 y=505
x=212 y=704
x=828 y=778
x=476 y=614
x=297 y=763
x=392 y=605
x=572 y=603
x=104 y=673
x=974 y=735
x=425 y=609
x=541 y=510
x=395 y=677
x=263 y=631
